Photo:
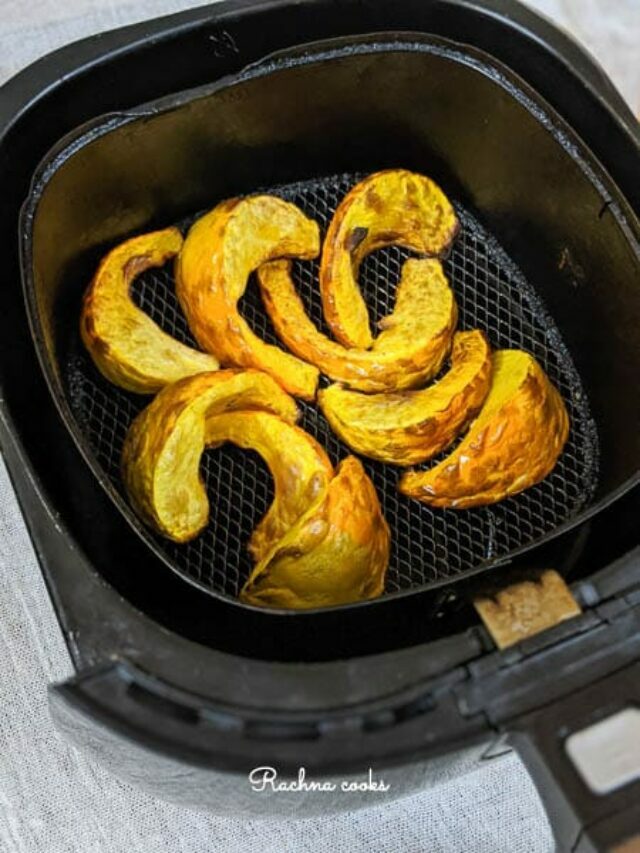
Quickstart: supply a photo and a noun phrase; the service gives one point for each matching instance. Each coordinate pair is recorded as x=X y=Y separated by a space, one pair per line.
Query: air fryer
x=179 y=686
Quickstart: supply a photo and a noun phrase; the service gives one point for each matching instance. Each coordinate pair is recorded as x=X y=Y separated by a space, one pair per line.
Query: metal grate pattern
x=428 y=544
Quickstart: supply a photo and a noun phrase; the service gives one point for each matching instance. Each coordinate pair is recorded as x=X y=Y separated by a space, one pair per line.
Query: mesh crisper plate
x=428 y=544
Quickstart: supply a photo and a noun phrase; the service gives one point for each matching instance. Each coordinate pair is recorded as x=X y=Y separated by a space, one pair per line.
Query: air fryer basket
x=427 y=545
x=203 y=146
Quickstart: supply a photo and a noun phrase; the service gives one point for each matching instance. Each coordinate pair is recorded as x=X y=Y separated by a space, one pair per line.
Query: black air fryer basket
x=181 y=687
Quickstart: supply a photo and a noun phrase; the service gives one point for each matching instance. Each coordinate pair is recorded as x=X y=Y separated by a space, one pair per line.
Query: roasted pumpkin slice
x=220 y=252
x=128 y=348
x=394 y=207
x=408 y=427
x=162 y=450
x=336 y=553
x=300 y=468
x=514 y=442
x=411 y=349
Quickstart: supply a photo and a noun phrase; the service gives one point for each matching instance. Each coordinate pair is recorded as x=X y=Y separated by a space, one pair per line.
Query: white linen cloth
x=55 y=800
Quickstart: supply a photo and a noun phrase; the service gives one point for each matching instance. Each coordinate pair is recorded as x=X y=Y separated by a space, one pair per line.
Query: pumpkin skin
x=409 y=427
x=392 y=207
x=411 y=348
x=300 y=468
x=162 y=450
x=337 y=553
x=220 y=252
x=514 y=442
x=126 y=346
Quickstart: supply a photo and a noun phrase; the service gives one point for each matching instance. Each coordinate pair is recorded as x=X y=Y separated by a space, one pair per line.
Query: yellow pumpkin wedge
x=220 y=252
x=408 y=427
x=162 y=450
x=393 y=207
x=337 y=553
x=127 y=347
x=300 y=468
x=514 y=442
x=411 y=348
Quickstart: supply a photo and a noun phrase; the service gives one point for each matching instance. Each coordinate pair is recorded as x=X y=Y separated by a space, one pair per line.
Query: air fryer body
x=177 y=691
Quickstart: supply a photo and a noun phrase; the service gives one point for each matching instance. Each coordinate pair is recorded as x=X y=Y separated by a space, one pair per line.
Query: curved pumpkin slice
x=336 y=553
x=513 y=444
x=409 y=427
x=162 y=450
x=127 y=347
x=300 y=468
x=410 y=350
x=221 y=250
x=394 y=207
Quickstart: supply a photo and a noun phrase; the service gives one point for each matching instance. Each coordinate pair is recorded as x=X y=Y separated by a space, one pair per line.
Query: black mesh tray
x=427 y=544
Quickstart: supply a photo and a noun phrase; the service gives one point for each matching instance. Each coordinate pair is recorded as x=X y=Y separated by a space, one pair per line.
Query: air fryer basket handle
x=583 y=753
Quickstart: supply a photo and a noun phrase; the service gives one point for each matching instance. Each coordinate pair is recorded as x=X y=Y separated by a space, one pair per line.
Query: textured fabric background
x=52 y=799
